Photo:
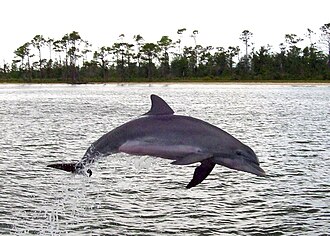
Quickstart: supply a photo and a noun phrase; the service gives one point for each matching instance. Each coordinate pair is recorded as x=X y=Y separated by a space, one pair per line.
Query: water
x=287 y=126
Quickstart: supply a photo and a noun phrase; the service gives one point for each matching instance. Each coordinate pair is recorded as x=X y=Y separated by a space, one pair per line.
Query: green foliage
x=69 y=60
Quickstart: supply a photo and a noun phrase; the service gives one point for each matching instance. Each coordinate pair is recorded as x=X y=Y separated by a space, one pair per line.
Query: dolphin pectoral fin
x=70 y=167
x=192 y=158
x=201 y=172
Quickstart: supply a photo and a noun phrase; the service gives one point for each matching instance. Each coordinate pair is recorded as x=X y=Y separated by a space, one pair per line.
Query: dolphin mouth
x=254 y=168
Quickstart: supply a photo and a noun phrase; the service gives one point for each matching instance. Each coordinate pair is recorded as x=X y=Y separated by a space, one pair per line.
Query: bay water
x=288 y=126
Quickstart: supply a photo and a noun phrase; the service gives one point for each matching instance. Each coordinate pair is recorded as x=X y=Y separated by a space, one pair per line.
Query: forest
x=71 y=60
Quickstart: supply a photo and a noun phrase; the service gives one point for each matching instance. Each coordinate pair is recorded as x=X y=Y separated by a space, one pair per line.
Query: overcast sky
x=100 y=22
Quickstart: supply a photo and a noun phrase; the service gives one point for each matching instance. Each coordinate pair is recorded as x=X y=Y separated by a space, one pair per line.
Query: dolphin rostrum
x=183 y=139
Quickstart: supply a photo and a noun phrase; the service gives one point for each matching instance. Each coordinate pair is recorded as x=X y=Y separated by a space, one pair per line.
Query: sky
x=100 y=22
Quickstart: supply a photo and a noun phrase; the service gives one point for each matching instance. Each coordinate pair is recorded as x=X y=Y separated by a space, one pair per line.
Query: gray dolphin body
x=183 y=139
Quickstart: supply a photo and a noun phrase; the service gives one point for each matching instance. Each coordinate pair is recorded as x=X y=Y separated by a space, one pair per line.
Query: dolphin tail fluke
x=70 y=167
x=201 y=172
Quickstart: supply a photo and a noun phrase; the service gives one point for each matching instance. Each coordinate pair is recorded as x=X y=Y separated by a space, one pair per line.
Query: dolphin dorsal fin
x=159 y=107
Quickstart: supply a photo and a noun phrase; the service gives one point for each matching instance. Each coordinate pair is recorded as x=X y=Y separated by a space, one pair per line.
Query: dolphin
x=183 y=139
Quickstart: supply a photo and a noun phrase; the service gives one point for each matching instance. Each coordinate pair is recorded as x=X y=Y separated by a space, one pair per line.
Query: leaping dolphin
x=183 y=139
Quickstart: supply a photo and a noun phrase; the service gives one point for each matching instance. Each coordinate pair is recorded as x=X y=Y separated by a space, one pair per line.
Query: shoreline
x=188 y=82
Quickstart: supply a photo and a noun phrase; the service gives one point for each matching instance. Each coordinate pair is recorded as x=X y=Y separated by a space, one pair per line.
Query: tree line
x=70 y=59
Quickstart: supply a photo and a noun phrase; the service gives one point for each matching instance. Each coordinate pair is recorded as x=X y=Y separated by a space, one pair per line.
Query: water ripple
x=288 y=127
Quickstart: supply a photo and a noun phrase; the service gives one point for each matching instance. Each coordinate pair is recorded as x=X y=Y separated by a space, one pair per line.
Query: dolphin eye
x=239 y=153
